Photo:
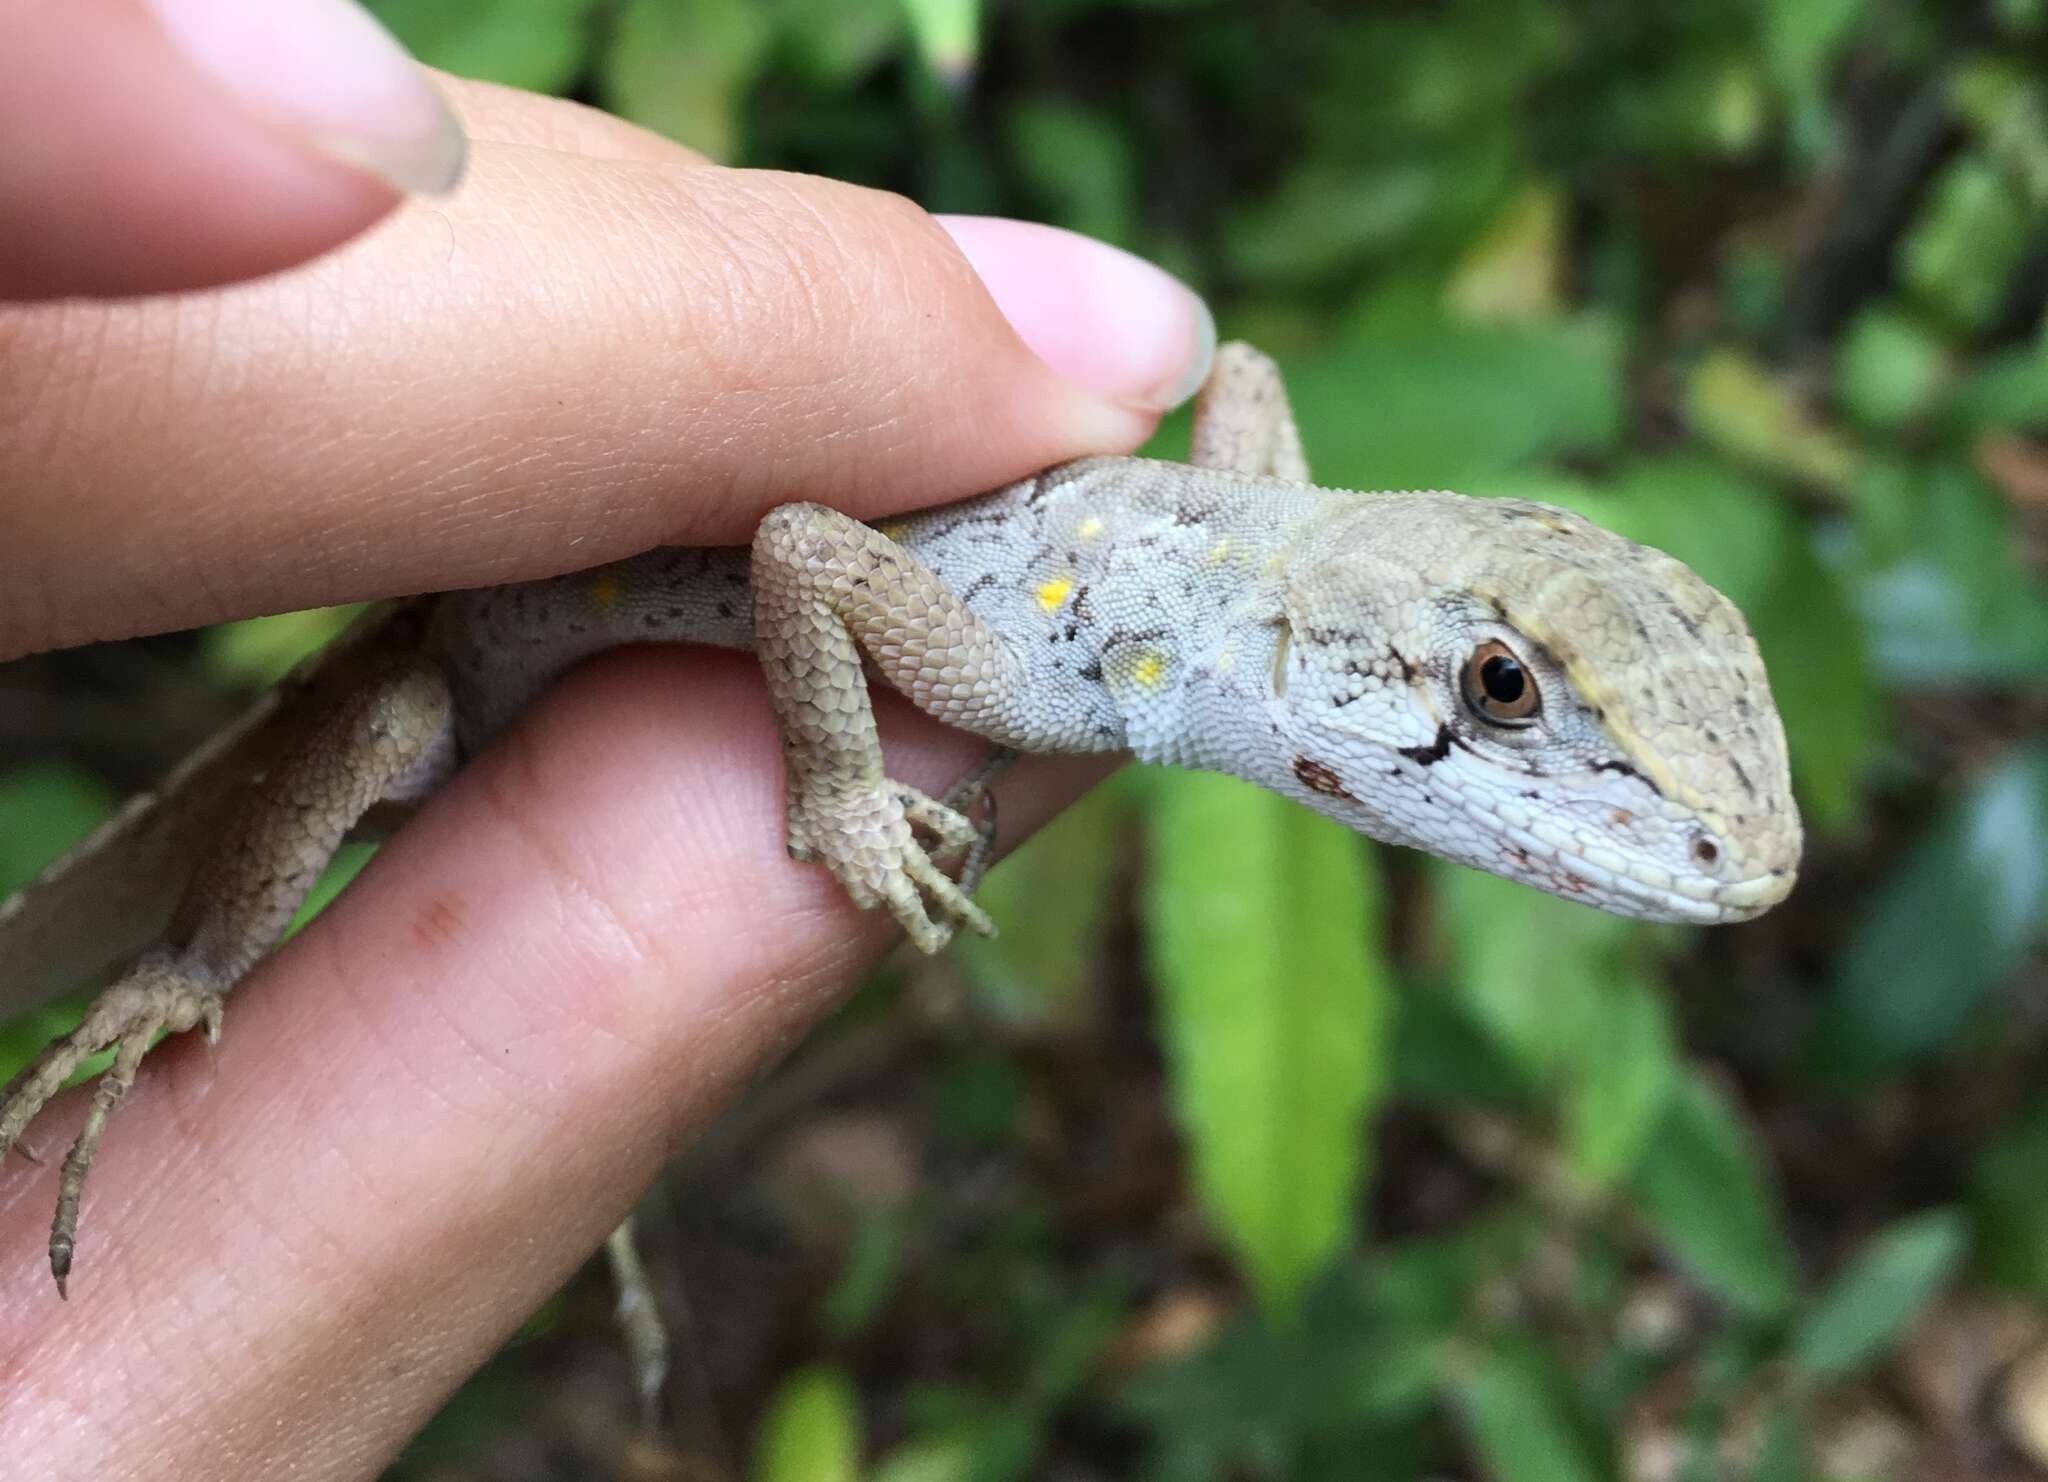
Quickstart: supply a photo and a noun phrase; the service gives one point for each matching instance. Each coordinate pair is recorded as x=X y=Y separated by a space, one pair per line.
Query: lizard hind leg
x=379 y=730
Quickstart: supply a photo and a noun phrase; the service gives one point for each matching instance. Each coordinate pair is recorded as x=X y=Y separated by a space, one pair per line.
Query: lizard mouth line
x=1719 y=903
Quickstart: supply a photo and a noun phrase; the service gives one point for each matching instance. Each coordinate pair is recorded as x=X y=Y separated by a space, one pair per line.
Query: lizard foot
x=155 y=998
x=870 y=843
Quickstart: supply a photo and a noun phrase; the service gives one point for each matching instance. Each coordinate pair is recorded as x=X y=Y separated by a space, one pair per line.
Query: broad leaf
x=1263 y=928
x=1703 y=1187
x=1873 y=1299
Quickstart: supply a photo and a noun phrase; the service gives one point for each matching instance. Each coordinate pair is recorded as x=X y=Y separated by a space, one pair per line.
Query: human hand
x=435 y=1101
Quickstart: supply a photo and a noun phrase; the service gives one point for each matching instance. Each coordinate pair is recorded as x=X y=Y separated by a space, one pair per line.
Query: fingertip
x=133 y=165
x=1102 y=317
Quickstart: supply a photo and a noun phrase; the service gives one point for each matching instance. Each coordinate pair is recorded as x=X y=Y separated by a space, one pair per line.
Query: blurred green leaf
x=811 y=1432
x=1946 y=928
x=1889 y=367
x=1411 y=398
x=1877 y=1295
x=540 y=45
x=1745 y=411
x=48 y=807
x=1958 y=604
x=1081 y=164
x=1626 y=1069
x=1963 y=250
x=1560 y=989
x=836 y=42
x=258 y=652
x=1802 y=41
x=1514 y=271
x=1515 y=1404
x=933 y=1459
x=1836 y=722
x=681 y=69
x=1055 y=899
x=2009 y=1200
x=1263 y=928
x=948 y=35
x=1703 y=1187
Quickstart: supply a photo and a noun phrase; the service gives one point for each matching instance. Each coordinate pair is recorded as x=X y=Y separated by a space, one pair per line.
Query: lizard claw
x=155 y=998
x=871 y=845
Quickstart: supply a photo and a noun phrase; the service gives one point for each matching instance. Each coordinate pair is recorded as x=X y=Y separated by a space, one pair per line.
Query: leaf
x=1879 y=1293
x=1957 y=604
x=539 y=45
x=811 y=1432
x=1080 y=164
x=1625 y=1070
x=1514 y=271
x=1451 y=402
x=680 y=69
x=1556 y=987
x=1950 y=924
x=1889 y=367
x=1962 y=252
x=258 y=652
x=2009 y=1203
x=1702 y=1186
x=1751 y=415
x=1514 y=1404
x=947 y=34
x=48 y=808
x=1263 y=926
x=1054 y=900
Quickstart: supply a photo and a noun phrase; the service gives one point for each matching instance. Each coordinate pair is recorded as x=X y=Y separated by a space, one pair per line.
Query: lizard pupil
x=1503 y=680
x=1498 y=686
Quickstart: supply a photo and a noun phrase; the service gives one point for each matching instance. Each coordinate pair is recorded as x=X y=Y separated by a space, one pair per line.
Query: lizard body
x=1501 y=683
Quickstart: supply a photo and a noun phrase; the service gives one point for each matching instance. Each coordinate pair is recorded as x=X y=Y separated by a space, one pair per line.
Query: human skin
x=431 y=1105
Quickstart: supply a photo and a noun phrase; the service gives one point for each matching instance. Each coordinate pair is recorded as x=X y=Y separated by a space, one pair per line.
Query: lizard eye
x=1498 y=688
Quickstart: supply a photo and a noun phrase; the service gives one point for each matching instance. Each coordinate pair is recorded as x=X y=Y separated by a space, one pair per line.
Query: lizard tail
x=113 y=894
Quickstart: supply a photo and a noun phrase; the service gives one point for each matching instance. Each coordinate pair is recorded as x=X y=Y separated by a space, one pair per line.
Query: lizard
x=1499 y=682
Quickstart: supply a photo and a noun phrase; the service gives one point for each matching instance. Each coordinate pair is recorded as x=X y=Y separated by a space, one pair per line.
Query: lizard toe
x=155 y=998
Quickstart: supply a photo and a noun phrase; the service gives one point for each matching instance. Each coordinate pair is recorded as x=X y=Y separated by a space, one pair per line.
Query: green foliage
x=540 y=45
x=812 y=1430
x=1703 y=1189
x=2009 y=1202
x=1879 y=1293
x=1275 y=1013
x=1945 y=929
x=1521 y=1420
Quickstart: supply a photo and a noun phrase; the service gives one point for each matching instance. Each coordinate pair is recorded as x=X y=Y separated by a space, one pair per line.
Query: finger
x=436 y=1101
x=506 y=115
x=180 y=143
x=575 y=359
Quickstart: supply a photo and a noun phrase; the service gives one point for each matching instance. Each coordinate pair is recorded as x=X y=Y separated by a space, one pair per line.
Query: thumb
x=152 y=145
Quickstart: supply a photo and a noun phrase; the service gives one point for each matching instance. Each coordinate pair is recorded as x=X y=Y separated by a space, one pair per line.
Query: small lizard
x=1498 y=682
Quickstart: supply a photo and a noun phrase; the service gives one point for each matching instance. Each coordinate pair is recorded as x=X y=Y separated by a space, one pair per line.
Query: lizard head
x=1510 y=686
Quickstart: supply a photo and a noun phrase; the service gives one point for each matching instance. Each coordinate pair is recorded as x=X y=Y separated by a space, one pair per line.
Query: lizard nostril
x=1706 y=851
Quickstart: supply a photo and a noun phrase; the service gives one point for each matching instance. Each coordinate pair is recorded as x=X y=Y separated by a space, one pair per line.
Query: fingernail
x=327 y=73
x=1099 y=316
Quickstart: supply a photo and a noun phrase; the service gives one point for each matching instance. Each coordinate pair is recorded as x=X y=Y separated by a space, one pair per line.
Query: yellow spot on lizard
x=893 y=529
x=604 y=591
x=1149 y=669
x=1089 y=528
x=1220 y=550
x=1051 y=594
